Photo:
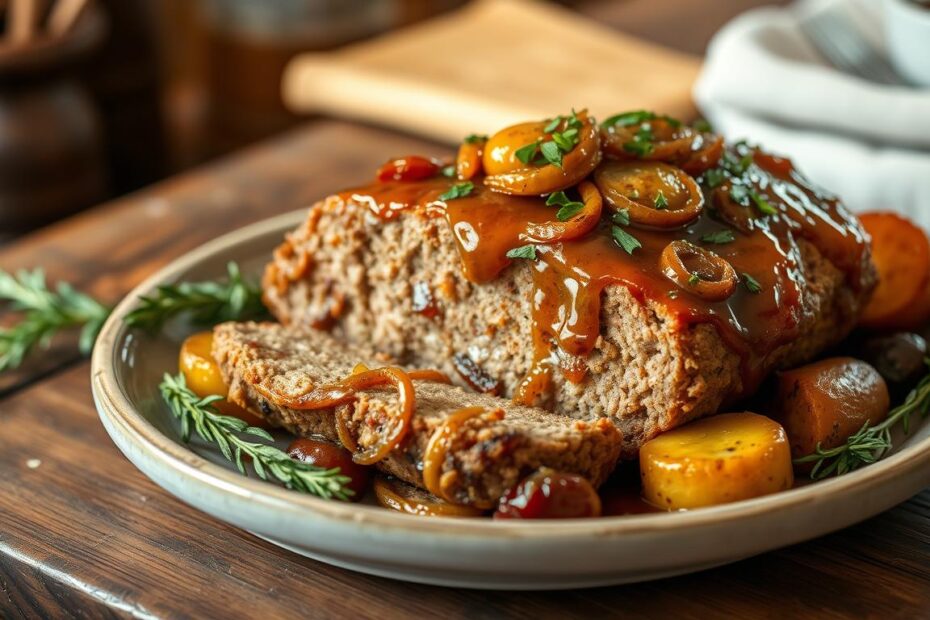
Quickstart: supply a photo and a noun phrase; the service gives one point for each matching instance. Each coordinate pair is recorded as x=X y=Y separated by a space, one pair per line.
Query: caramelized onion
x=468 y=162
x=581 y=224
x=641 y=188
x=407 y=498
x=429 y=374
x=698 y=270
x=672 y=143
x=439 y=443
x=344 y=392
x=533 y=180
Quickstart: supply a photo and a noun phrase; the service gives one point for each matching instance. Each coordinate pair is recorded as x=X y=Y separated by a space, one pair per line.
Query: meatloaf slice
x=370 y=282
x=266 y=364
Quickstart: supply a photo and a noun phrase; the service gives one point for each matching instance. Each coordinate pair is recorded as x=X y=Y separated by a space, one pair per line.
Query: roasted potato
x=901 y=253
x=204 y=378
x=724 y=458
x=827 y=401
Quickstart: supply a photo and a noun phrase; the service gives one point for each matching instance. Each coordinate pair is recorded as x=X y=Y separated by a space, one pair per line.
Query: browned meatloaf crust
x=488 y=455
x=346 y=269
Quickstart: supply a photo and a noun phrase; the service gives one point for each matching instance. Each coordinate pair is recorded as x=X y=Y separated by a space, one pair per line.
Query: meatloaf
x=358 y=274
x=268 y=365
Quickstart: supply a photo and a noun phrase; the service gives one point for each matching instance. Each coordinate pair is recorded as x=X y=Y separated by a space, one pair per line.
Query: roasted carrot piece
x=827 y=401
x=901 y=253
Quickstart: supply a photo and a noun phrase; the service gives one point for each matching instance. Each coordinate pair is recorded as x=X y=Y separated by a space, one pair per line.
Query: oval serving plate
x=127 y=367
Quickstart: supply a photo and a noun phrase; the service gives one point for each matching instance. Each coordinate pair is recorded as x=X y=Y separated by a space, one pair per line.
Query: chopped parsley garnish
x=720 y=237
x=763 y=205
x=641 y=144
x=569 y=208
x=448 y=171
x=527 y=251
x=660 y=202
x=621 y=217
x=752 y=285
x=459 y=190
x=694 y=279
x=527 y=153
x=714 y=177
x=625 y=240
x=552 y=153
x=702 y=125
x=636 y=117
x=736 y=167
x=474 y=138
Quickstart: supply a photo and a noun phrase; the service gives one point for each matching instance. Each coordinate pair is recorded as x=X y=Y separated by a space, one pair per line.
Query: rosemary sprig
x=869 y=443
x=208 y=302
x=46 y=313
x=199 y=414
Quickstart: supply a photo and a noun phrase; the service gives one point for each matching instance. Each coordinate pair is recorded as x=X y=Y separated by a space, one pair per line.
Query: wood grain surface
x=83 y=534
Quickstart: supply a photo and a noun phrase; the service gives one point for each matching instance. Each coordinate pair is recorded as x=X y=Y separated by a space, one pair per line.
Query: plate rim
x=119 y=409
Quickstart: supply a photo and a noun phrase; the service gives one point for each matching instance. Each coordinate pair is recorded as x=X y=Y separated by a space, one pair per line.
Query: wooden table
x=84 y=534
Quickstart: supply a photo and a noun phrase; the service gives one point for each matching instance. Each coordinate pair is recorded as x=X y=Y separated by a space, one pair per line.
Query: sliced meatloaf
x=266 y=365
x=348 y=271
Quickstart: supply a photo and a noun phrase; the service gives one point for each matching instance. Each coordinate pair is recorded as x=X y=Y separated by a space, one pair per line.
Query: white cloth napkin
x=763 y=81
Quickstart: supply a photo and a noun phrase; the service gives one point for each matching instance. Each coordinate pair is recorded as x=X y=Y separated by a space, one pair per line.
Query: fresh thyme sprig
x=870 y=443
x=46 y=313
x=208 y=302
x=199 y=415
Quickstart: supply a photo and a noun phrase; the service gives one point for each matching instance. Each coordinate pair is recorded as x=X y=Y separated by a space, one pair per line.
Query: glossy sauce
x=569 y=277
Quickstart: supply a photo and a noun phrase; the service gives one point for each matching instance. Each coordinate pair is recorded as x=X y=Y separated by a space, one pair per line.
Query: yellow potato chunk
x=204 y=378
x=724 y=458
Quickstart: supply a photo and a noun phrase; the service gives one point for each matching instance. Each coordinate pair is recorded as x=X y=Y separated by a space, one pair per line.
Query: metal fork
x=840 y=42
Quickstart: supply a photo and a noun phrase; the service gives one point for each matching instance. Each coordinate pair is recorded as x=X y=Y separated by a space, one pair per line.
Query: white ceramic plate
x=127 y=367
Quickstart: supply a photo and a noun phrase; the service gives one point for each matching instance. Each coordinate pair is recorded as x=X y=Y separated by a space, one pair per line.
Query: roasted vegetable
x=403 y=497
x=898 y=358
x=724 y=458
x=548 y=494
x=203 y=377
x=825 y=402
x=901 y=253
x=329 y=456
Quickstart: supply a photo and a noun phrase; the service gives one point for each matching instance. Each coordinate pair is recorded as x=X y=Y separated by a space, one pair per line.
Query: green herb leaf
x=553 y=124
x=625 y=119
x=569 y=208
x=207 y=302
x=268 y=461
x=660 y=201
x=475 y=138
x=641 y=144
x=621 y=217
x=527 y=251
x=565 y=144
x=693 y=279
x=553 y=154
x=703 y=126
x=752 y=285
x=719 y=237
x=459 y=190
x=714 y=177
x=763 y=205
x=625 y=240
x=527 y=153
x=448 y=171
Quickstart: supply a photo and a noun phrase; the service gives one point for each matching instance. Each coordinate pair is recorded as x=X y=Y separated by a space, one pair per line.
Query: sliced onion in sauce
x=536 y=180
x=468 y=161
x=681 y=145
x=641 y=188
x=581 y=224
x=698 y=271
x=438 y=447
x=406 y=498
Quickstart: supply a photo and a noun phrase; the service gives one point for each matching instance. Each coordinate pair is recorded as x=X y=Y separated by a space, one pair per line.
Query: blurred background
x=101 y=97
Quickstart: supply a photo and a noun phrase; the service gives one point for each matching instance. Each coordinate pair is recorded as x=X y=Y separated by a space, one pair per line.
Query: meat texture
x=267 y=365
x=365 y=279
